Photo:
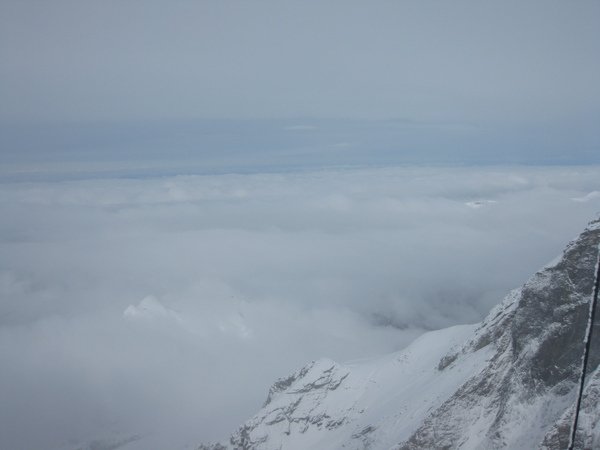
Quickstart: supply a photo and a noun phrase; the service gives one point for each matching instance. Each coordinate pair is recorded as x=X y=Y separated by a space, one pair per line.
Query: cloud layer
x=164 y=307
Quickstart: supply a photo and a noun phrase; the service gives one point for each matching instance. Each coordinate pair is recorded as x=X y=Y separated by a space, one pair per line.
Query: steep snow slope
x=325 y=404
x=531 y=379
x=509 y=382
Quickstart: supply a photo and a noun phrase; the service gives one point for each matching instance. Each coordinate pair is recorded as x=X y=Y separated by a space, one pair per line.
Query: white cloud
x=479 y=203
x=150 y=309
x=588 y=197
x=172 y=303
x=300 y=127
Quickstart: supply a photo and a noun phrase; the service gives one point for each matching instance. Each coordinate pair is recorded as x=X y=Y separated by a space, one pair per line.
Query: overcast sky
x=444 y=61
x=462 y=82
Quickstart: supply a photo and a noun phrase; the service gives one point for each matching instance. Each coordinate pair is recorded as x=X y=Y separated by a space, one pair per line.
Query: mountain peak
x=508 y=382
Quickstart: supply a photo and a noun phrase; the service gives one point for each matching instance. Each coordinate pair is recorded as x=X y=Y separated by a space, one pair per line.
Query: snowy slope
x=509 y=382
x=326 y=405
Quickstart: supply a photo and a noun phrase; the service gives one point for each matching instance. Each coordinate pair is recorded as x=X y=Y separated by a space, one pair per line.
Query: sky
x=199 y=197
x=426 y=61
x=512 y=82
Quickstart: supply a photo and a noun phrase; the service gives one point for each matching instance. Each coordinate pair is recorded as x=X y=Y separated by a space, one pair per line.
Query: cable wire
x=586 y=351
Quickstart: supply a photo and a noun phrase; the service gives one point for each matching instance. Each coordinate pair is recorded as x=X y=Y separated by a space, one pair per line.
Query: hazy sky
x=444 y=61
x=512 y=81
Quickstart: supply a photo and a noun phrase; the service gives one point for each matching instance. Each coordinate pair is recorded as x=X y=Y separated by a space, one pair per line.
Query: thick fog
x=165 y=307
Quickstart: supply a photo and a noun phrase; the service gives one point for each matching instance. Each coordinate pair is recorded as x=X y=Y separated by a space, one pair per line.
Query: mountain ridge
x=508 y=382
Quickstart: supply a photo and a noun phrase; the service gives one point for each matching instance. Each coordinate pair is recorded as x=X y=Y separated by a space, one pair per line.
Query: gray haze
x=421 y=81
x=514 y=61
x=166 y=306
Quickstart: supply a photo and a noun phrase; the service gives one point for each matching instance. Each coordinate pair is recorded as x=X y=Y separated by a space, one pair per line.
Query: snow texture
x=508 y=382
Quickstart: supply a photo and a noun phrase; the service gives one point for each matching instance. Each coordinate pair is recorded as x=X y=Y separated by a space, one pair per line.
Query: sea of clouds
x=164 y=307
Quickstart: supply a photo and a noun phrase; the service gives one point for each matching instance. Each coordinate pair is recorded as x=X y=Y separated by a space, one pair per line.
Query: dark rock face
x=558 y=436
x=538 y=337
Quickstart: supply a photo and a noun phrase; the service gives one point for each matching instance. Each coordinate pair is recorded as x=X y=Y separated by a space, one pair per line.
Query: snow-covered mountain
x=508 y=382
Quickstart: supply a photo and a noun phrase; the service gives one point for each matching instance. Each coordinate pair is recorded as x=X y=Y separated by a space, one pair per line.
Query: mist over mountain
x=509 y=382
x=164 y=307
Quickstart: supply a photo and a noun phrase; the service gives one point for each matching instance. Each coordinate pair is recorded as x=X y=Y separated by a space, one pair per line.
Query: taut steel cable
x=586 y=351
